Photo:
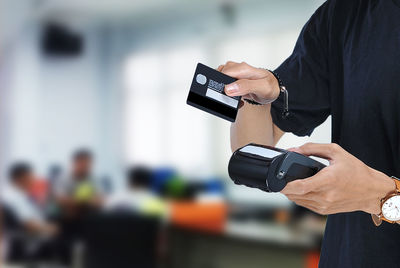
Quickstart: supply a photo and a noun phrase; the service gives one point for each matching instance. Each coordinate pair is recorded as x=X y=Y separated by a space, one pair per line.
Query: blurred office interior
x=112 y=77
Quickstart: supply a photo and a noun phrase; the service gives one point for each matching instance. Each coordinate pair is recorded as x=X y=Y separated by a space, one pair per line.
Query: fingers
x=258 y=87
x=252 y=80
x=245 y=86
x=242 y=70
x=313 y=202
x=322 y=209
x=327 y=151
x=305 y=186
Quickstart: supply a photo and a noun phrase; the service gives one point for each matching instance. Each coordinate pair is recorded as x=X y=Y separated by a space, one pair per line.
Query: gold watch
x=390 y=207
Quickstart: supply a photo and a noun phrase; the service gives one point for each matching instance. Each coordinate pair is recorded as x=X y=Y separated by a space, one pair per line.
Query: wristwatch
x=390 y=207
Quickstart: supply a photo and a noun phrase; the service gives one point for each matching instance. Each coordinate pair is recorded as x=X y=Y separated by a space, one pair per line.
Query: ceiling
x=15 y=14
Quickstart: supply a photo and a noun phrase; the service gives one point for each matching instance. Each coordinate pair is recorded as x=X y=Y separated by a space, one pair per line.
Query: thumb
x=327 y=151
x=259 y=87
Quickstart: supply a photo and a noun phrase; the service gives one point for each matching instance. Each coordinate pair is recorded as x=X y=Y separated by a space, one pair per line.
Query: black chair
x=19 y=243
x=9 y=220
x=14 y=234
x=120 y=240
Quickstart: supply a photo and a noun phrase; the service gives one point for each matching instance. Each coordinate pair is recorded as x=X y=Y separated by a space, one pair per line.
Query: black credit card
x=207 y=93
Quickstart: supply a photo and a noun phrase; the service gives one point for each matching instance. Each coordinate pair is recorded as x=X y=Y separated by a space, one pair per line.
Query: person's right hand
x=253 y=83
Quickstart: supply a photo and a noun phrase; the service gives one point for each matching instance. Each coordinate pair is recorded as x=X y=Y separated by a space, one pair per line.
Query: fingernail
x=293 y=149
x=232 y=88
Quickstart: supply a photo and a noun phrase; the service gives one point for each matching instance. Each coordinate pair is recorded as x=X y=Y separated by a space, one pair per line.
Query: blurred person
x=29 y=236
x=18 y=200
x=138 y=197
x=76 y=195
x=79 y=189
x=140 y=205
x=345 y=64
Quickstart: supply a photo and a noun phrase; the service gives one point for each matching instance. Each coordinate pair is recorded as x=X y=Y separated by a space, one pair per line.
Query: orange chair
x=210 y=217
x=39 y=190
x=312 y=259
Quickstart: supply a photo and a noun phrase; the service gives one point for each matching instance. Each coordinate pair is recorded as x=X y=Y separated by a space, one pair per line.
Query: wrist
x=275 y=85
x=382 y=186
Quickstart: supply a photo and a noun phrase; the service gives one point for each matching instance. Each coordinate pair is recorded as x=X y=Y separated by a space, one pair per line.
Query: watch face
x=391 y=208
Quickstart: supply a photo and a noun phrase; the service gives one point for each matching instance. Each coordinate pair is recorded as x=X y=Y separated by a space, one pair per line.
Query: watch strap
x=397 y=182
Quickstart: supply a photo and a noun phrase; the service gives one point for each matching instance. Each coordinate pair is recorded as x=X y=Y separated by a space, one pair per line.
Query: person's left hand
x=346 y=185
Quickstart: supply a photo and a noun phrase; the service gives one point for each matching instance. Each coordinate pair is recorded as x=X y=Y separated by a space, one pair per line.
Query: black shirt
x=346 y=64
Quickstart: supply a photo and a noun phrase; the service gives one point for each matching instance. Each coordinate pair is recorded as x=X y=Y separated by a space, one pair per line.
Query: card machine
x=268 y=168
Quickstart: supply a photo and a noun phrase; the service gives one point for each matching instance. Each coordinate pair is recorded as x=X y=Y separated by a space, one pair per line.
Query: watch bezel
x=384 y=202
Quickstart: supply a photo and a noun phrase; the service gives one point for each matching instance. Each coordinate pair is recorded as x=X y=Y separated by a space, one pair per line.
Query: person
x=30 y=229
x=79 y=189
x=17 y=199
x=346 y=65
x=75 y=197
x=138 y=198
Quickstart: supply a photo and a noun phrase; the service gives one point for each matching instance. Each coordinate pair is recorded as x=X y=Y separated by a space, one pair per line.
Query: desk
x=244 y=244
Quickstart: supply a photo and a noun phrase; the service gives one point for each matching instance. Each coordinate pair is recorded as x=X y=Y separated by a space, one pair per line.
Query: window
x=161 y=129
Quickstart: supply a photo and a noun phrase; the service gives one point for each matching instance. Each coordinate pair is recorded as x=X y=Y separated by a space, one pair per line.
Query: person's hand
x=253 y=83
x=346 y=185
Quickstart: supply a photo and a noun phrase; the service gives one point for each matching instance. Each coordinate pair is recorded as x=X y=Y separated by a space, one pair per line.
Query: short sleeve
x=21 y=206
x=306 y=77
x=25 y=211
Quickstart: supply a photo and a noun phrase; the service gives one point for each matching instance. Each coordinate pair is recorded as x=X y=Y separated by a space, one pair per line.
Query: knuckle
x=335 y=147
x=307 y=144
x=243 y=66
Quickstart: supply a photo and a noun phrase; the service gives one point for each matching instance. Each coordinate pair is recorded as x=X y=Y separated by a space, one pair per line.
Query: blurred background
x=99 y=152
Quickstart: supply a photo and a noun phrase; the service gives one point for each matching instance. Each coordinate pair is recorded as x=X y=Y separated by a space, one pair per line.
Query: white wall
x=58 y=105
x=50 y=107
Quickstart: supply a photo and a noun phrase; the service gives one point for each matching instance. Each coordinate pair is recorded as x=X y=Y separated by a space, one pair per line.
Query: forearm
x=254 y=124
